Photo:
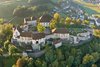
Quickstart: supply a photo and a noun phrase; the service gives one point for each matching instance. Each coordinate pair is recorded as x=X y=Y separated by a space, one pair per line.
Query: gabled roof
x=45 y=18
x=60 y=30
x=34 y=36
x=26 y=34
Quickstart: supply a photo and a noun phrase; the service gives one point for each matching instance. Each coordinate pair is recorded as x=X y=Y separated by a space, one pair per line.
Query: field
x=90 y=6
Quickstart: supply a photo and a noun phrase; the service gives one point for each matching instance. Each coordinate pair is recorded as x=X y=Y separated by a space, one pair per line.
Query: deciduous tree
x=40 y=28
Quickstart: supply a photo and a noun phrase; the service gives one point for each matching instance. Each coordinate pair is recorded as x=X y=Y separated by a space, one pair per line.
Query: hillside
x=7 y=8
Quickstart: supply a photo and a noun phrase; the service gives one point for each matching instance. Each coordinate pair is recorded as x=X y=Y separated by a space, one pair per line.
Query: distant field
x=89 y=5
x=91 y=9
x=6 y=9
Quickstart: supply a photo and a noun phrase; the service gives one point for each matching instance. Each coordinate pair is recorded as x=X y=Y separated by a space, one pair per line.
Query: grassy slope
x=6 y=9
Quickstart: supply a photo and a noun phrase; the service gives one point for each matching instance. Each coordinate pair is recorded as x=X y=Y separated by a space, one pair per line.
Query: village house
x=84 y=36
x=30 y=21
x=98 y=21
x=37 y=39
x=57 y=43
x=80 y=37
x=92 y=22
x=45 y=20
x=61 y=33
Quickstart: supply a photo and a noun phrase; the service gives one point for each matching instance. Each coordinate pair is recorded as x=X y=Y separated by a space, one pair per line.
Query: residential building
x=45 y=20
x=30 y=21
x=61 y=33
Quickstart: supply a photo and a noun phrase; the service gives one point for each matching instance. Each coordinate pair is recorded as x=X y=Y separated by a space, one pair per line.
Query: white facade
x=74 y=39
x=25 y=39
x=97 y=23
x=25 y=28
x=30 y=22
x=16 y=33
x=33 y=22
x=58 y=44
x=36 y=45
x=45 y=24
x=62 y=36
x=42 y=40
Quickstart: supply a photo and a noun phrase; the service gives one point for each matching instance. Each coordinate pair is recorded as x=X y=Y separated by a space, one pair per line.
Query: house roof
x=45 y=18
x=60 y=30
x=34 y=36
x=26 y=34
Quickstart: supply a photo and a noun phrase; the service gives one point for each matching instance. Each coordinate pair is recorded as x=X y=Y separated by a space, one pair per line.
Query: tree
x=40 y=28
x=1 y=51
x=88 y=59
x=73 y=52
x=30 y=62
x=78 y=21
x=94 y=65
x=68 y=20
x=53 y=23
x=12 y=49
x=59 y=54
x=70 y=61
x=44 y=64
x=55 y=64
x=96 y=56
x=86 y=22
x=19 y=62
x=38 y=63
x=96 y=32
x=14 y=65
x=1 y=20
x=6 y=45
x=49 y=55
x=57 y=17
x=22 y=11
x=6 y=32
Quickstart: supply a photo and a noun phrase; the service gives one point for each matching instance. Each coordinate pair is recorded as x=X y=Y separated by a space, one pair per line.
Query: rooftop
x=46 y=18
x=60 y=30
x=34 y=36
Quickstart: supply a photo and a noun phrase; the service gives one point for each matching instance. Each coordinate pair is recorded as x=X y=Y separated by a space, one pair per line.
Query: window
x=37 y=42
